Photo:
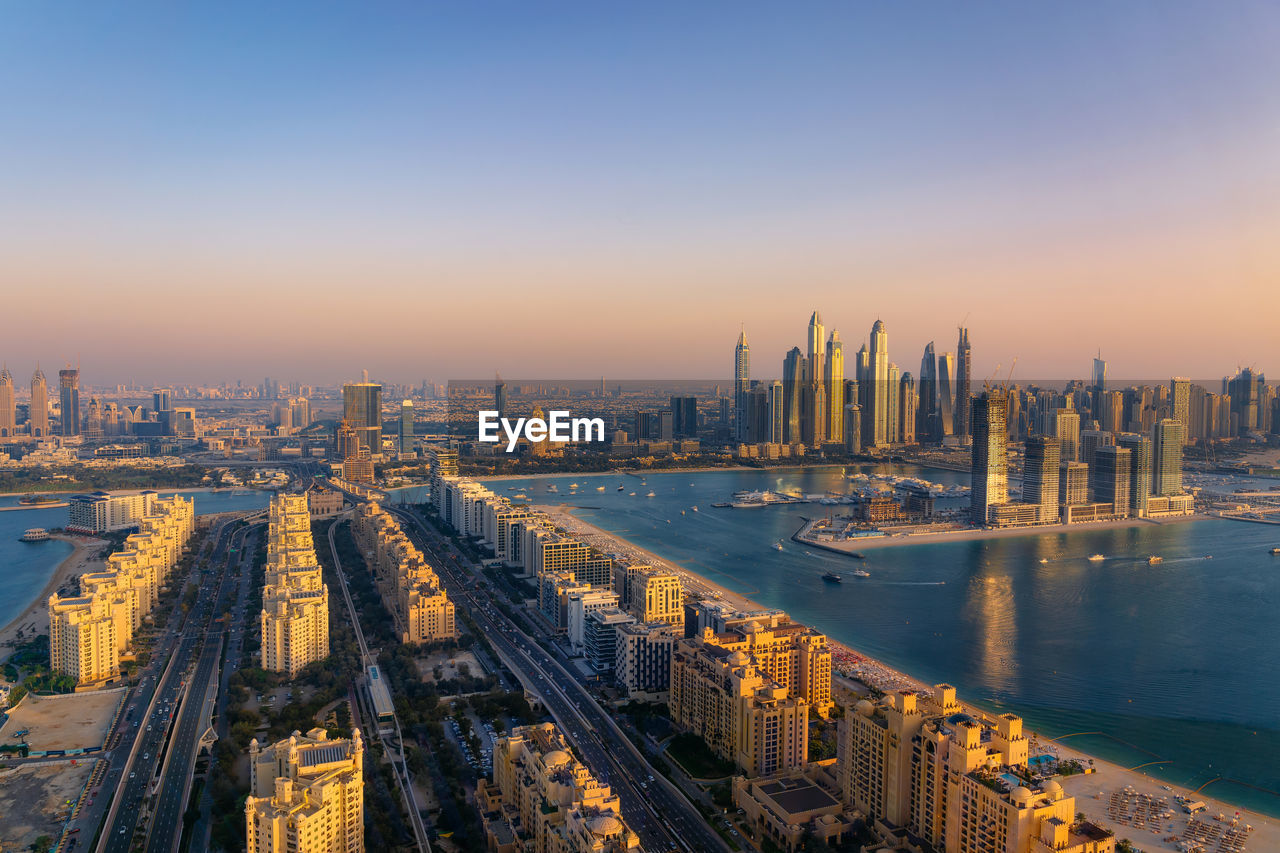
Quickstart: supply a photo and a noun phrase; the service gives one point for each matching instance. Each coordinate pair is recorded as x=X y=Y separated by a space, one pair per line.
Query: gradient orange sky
x=579 y=190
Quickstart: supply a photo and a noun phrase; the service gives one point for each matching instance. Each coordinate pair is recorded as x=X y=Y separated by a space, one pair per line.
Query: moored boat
x=831 y=577
x=35 y=534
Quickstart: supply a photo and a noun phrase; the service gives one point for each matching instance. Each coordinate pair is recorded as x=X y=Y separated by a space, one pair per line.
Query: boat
x=521 y=497
x=1096 y=558
x=622 y=488
x=1044 y=560
x=1153 y=559
x=694 y=507
x=682 y=512
x=777 y=546
x=573 y=485
x=553 y=488
x=599 y=488
x=651 y=495
x=35 y=534
x=632 y=495
x=831 y=577
x=1275 y=550
x=722 y=505
x=668 y=521
x=862 y=573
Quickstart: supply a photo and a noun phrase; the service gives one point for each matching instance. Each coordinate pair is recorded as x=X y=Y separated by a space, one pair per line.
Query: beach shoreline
x=34 y=619
x=1108 y=776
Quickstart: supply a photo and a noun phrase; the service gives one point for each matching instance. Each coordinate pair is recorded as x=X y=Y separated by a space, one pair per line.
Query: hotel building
x=306 y=795
x=956 y=781
x=543 y=800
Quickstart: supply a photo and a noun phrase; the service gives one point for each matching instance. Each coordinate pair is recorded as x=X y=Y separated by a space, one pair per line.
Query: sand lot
x=33 y=800
x=72 y=721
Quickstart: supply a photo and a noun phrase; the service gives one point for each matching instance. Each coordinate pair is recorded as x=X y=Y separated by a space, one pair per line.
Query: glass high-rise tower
x=362 y=409
x=989 y=469
x=69 y=400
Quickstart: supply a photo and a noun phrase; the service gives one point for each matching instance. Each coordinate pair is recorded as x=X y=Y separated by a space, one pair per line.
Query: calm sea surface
x=1176 y=663
x=26 y=567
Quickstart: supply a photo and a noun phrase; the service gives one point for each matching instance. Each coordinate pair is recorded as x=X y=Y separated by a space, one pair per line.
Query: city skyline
x=1056 y=175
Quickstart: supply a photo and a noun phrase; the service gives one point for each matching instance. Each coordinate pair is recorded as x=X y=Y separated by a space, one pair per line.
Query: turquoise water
x=1176 y=663
x=25 y=568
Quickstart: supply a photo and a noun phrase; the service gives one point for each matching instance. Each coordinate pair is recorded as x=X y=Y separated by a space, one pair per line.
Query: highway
x=132 y=781
x=663 y=818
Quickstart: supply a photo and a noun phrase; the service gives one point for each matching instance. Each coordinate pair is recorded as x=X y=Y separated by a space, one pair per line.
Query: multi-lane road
x=151 y=712
x=652 y=806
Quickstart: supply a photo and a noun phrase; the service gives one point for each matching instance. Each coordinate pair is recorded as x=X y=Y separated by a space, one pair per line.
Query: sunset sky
x=429 y=190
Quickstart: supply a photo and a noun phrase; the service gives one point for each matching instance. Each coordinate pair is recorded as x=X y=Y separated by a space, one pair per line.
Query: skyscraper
x=1166 y=458
x=907 y=409
x=38 y=418
x=1110 y=477
x=406 y=426
x=879 y=380
x=1139 y=447
x=777 y=412
x=69 y=399
x=684 y=417
x=964 y=367
x=8 y=404
x=1066 y=428
x=499 y=396
x=741 y=385
x=927 y=426
x=1040 y=476
x=835 y=387
x=362 y=409
x=793 y=370
x=893 y=428
x=989 y=467
x=1180 y=393
x=946 y=414
x=1099 y=373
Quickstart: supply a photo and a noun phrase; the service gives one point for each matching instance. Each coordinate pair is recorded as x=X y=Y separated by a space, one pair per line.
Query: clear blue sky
x=306 y=189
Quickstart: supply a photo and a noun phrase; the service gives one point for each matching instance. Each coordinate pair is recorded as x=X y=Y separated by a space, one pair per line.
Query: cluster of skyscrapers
x=1070 y=475
x=817 y=405
x=95 y=421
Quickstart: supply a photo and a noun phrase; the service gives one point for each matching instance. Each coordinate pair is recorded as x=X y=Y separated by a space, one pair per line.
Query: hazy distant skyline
x=570 y=189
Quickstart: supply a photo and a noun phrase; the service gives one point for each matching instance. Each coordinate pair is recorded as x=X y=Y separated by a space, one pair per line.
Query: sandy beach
x=1094 y=792
x=35 y=619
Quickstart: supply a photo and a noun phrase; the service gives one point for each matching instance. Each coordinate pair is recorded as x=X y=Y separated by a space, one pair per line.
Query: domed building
x=541 y=793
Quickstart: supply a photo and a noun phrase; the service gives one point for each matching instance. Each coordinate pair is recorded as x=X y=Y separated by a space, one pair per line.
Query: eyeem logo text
x=558 y=426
